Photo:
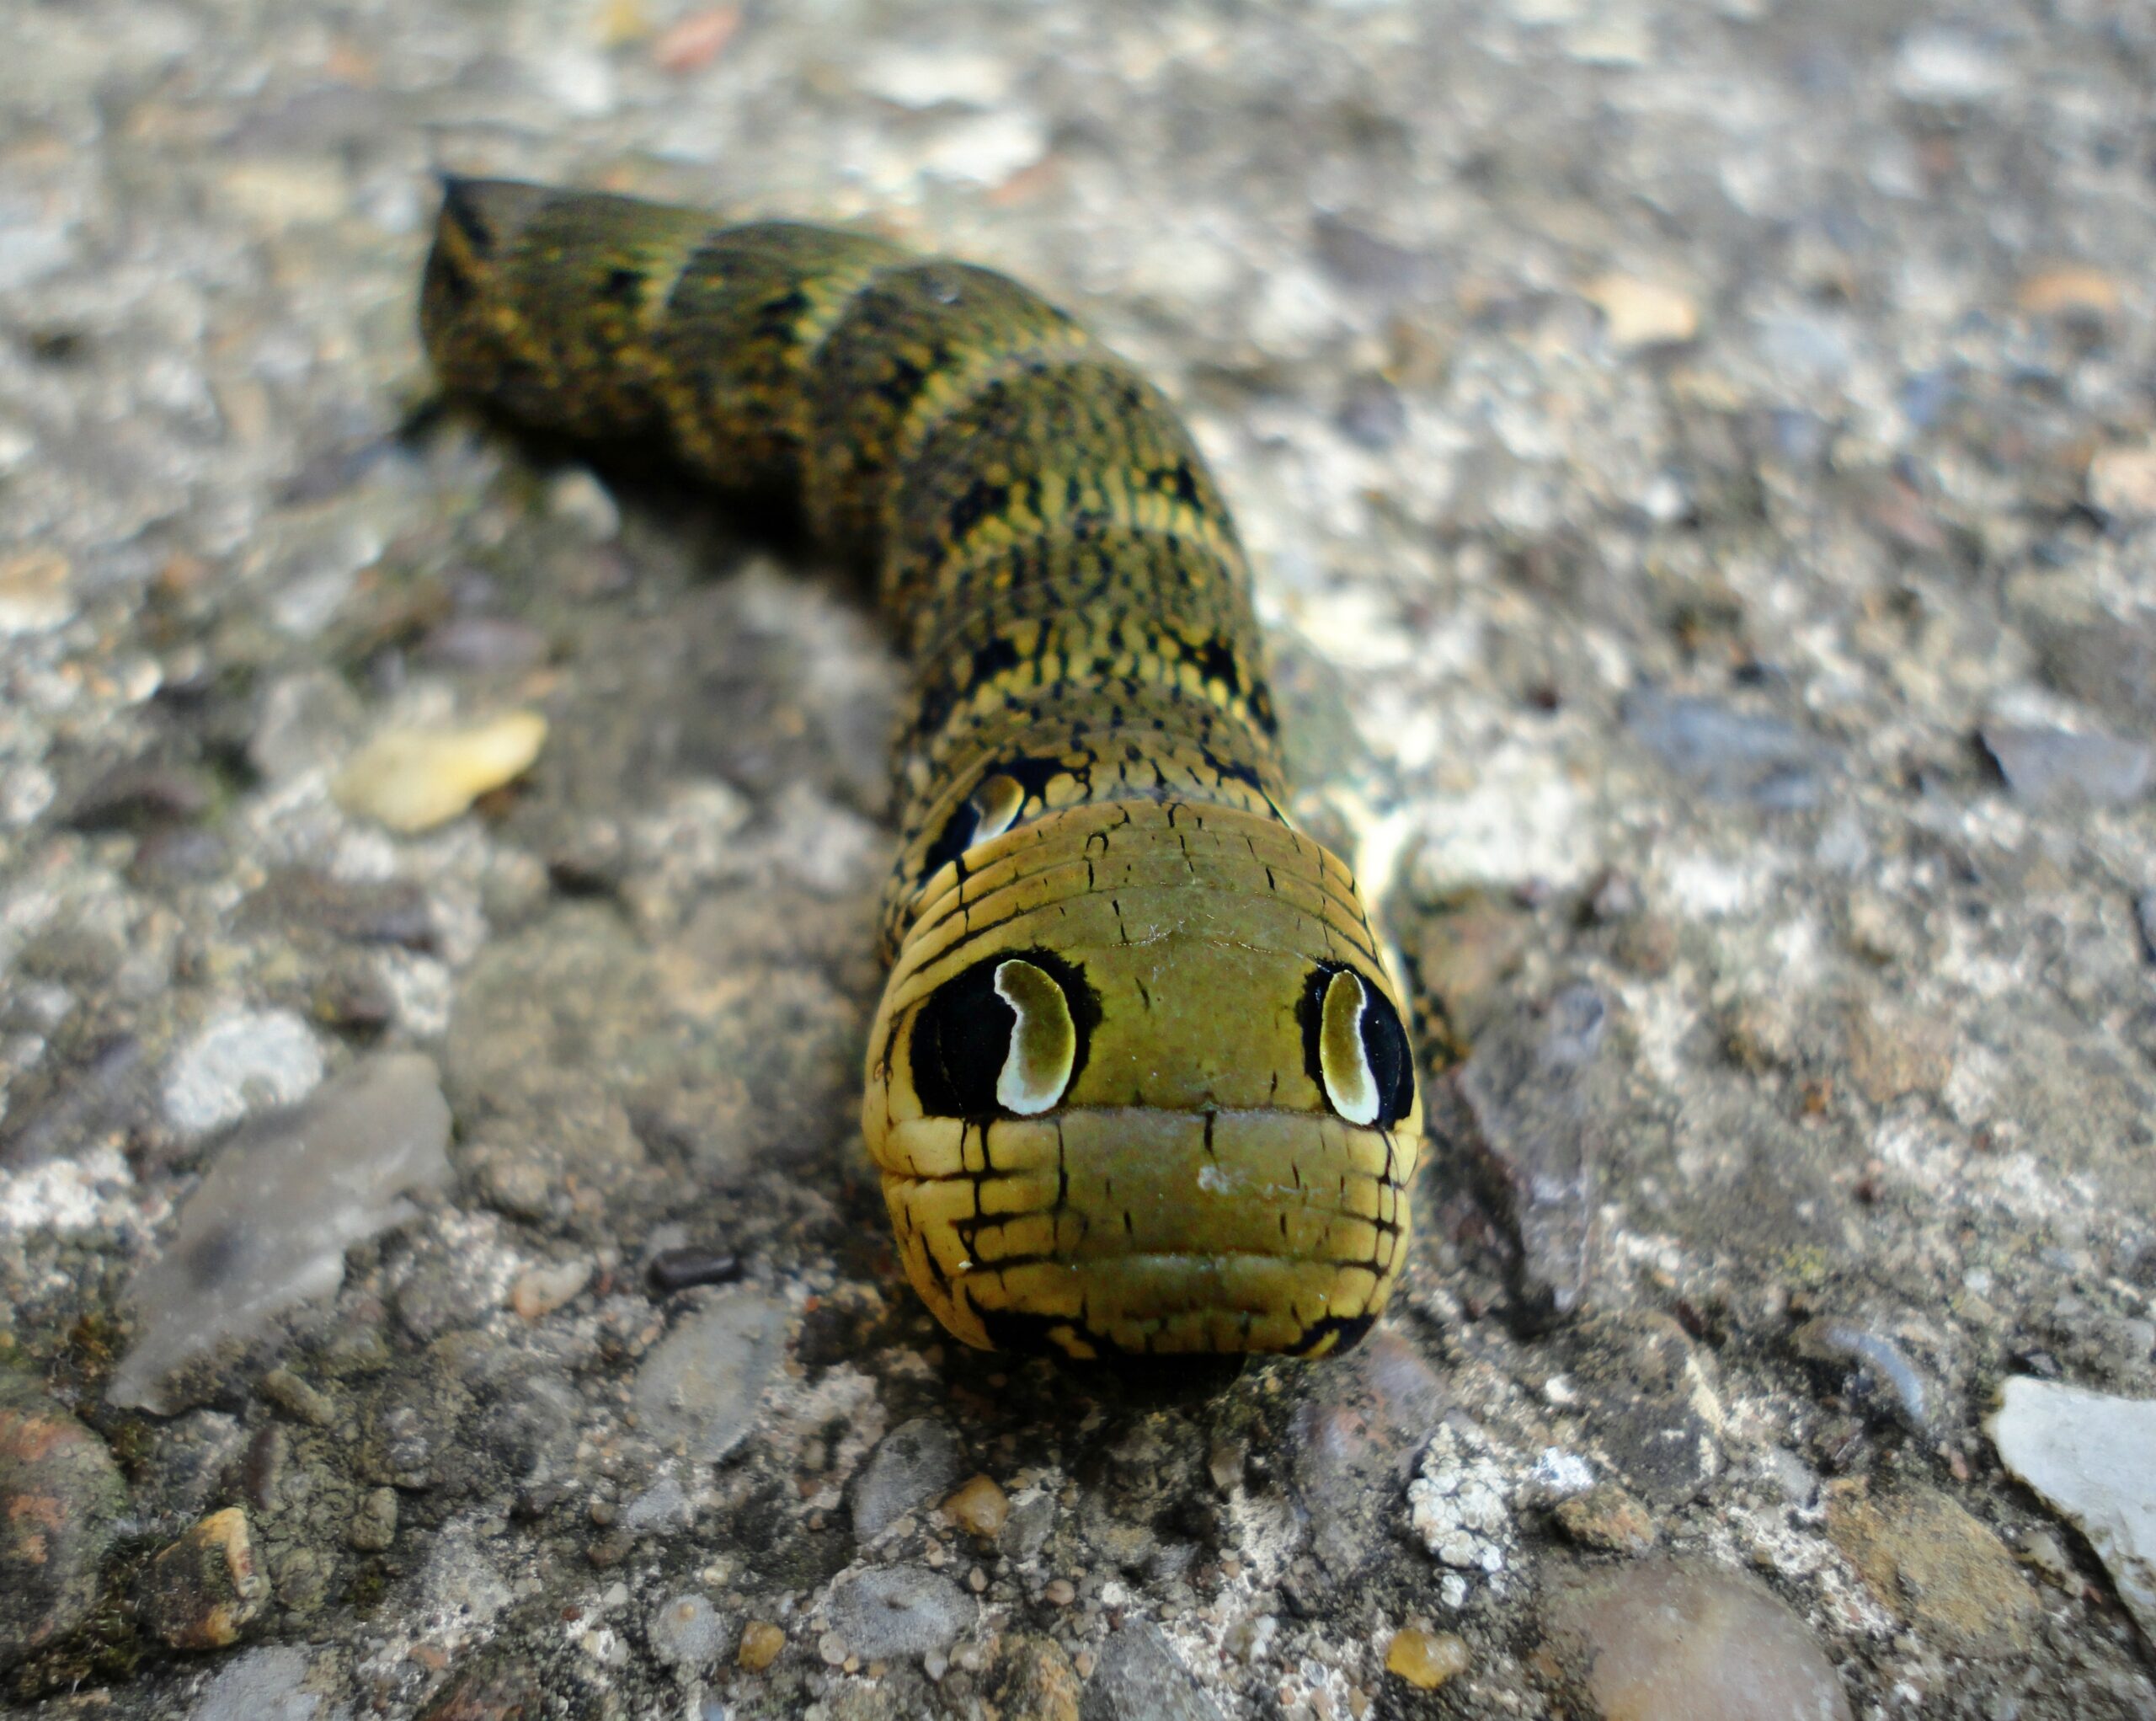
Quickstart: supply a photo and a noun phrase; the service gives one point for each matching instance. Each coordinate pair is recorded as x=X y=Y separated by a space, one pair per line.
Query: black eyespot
x=955 y=838
x=990 y=811
x=962 y=1035
x=1384 y=1042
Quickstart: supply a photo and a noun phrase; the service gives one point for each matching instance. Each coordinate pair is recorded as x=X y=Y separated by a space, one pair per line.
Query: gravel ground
x=1702 y=459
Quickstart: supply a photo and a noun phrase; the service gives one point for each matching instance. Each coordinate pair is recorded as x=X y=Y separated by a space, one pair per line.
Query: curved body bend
x=1139 y=1081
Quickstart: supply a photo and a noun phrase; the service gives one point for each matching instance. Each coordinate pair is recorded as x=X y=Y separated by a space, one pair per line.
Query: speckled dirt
x=1702 y=461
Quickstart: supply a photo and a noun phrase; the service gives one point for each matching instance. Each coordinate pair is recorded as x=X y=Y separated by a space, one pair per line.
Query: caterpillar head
x=1139 y=1083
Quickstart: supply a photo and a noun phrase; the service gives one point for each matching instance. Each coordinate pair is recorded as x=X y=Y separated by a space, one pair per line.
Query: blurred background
x=1701 y=462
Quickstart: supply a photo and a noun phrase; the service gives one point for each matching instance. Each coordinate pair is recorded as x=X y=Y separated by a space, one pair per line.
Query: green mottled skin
x=1071 y=593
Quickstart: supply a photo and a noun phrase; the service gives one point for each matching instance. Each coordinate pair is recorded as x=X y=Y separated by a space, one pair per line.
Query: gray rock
x=1686 y=1640
x=918 y=1461
x=884 y=1612
x=2145 y=912
x=1140 y=1679
x=188 y=1464
x=1729 y=755
x=1355 y=1443
x=1939 y=65
x=1032 y=1521
x=484 y=643
x=665 y=1506
x=312 y=906
x=373 y=1528
x=2093 y=1457
x=308 y=721
x=1540 y=1100
x=60 y=1501
x=268 y=1228
x=686 y=1633
x=1371 y=415
x=243 y=1062
x=1809 y=350
x=700 y=1383
x=262 y=1684
x=2052 y=767
x=1648 y=1403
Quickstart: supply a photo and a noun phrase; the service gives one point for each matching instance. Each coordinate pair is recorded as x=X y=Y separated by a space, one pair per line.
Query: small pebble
x=882 y=1612
x=139 y=796
x=2122 y=482
x=1371 y=415
x=1940 y=66
x=1426 y=1659
x=578 y=498
x=700 y=1384
x=297 y=1399
x=2069 y=290
x=1607 y=1517
x=980 y=1508
x=373 y=1527
x=1060 y=1592
x=484 y=643
x=175 y=856
x=413 y=780
x=1730 y=754
x=2052 y=767
x=685 y=1634
x=913 y=1464
x=244 y=1060
x=352 y=998
x=34 y=591
x=1031 y=1679
x=761 y=1644
x=540 y=1291
x=200 y=1591
x=696 y=40
x=1643 y=313
x=680 y=1270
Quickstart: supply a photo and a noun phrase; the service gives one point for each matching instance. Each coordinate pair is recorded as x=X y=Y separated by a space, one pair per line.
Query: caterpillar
x=1139 y=1081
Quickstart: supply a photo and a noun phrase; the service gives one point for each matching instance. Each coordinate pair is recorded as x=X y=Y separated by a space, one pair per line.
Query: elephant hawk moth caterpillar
x=1139 y=1081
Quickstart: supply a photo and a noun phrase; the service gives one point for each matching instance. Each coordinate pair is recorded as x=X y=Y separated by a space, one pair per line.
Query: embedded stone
x=202 y=1590
x=60 y=1501
x=916 y=1461
x=1426 y=1659
x=1687 y=1640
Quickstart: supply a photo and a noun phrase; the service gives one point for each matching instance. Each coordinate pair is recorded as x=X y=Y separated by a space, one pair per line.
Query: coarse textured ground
x=1702 y=459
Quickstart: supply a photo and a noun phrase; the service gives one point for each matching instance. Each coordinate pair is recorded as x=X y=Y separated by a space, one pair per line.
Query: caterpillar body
x=1139 y=1081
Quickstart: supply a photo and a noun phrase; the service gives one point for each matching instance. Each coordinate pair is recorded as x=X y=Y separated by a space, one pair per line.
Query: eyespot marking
x=1355 y=1047
x=997 y=802
x=992 y=809
x=1043 y=1040
x=1006 y=1036
x=1344 y=1064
